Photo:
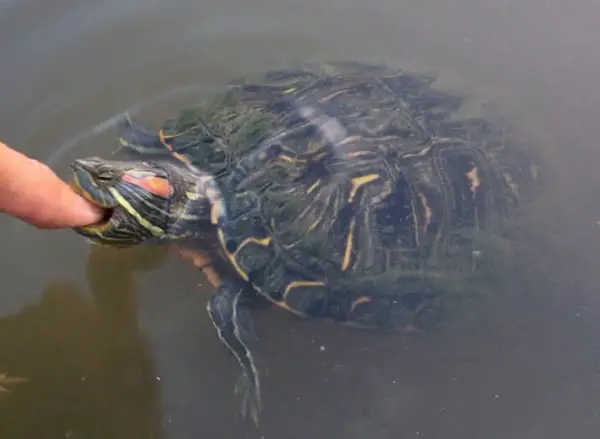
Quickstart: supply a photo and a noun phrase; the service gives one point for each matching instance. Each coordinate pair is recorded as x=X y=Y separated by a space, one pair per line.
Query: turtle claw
x=250 y=396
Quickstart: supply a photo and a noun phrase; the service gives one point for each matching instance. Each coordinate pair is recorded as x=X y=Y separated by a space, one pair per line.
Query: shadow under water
x=86 y=370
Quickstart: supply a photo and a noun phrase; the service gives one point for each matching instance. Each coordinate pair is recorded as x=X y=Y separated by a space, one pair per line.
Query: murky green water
x=118 y=344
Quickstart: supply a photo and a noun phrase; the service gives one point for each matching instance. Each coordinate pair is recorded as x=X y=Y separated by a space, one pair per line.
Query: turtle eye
x=105 y=177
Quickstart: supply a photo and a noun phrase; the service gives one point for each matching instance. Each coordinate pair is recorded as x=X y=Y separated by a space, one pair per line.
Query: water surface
x=118 y=344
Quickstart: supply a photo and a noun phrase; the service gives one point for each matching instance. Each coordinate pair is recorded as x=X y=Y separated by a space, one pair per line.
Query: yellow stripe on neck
x=156 y=231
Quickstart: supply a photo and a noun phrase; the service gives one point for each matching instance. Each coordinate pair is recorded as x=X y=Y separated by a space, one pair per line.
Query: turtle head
x=144 y=201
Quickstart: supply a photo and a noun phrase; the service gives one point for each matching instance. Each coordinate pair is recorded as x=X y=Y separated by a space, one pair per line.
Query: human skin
x=33 y=193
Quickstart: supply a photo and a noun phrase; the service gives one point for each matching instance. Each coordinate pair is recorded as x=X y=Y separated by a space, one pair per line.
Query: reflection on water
x=6 y=382
x=90 y=374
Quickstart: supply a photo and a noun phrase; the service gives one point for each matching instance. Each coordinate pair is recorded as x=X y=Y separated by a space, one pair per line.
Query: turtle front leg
x=229 y=313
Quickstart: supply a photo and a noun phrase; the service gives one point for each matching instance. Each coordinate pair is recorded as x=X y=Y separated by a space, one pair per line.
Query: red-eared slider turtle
x=345 y=191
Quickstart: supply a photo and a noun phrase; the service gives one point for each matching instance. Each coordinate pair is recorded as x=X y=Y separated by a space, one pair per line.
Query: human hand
x=32 y=192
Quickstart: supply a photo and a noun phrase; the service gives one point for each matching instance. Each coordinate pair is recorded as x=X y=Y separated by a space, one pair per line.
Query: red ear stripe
x=155 y=185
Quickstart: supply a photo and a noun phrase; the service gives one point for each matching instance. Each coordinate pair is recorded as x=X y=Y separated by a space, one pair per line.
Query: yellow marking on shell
x=314 y=146
x=332 y=95
x=287 y=158
x=310 y=228
x=359 y=301
x=285 y=306
x=427 y=210
x=313 y=225
x=289 y=90
x=350 y=139
x=349 y=246
x=417 y=154
x=156 y=231
x=231 y=257
x=473 y=176
x=359 y=153
x=317 y=221
x=359 y=181
x=301 y=283
x=314 y=186
x=163 y=137
x=265 y=242
x=380 y=139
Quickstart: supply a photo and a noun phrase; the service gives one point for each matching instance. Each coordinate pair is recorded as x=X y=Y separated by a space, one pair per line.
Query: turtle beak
x=89 y=164
x=82 y=167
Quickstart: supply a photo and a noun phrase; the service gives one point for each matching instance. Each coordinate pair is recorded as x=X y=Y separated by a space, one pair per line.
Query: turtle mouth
x=108 y=211
x=105 y=222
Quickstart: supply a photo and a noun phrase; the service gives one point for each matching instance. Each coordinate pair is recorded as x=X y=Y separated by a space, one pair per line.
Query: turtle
x=347 y=191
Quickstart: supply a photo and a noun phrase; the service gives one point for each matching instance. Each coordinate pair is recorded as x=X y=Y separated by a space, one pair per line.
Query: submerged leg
x=135 y=137
x=229 y=313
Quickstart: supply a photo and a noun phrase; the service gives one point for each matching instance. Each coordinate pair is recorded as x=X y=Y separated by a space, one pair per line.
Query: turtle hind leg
x=229 y=312
x=135 y=138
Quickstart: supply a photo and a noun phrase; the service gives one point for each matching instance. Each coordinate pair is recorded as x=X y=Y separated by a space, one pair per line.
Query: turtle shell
x=354 y=191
